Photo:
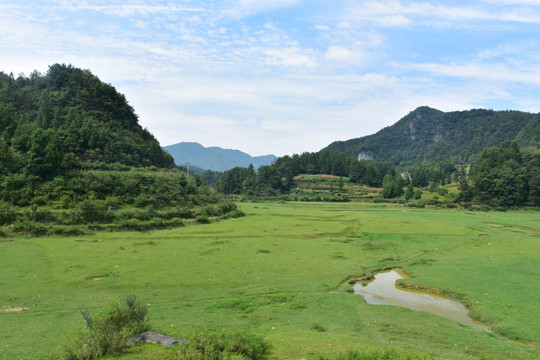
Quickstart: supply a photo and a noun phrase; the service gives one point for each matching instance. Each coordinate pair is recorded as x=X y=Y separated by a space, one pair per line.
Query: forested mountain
x=428 y=134
x=214 y=158
x=67 y=118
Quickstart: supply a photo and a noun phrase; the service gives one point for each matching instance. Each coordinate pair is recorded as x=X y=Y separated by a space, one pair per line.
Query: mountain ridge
x=428 y=134
x=214 y=158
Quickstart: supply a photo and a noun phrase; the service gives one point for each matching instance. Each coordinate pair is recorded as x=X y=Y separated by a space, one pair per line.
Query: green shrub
x=66 y=201
x=29 y=227
x=382 y=355
x=218 y=345
x=93 y=210
x=109 y=332
x=8 y=213
x=39 y=200
x=39 y=215
x=442 y=191
x=234 y=214
x=227 y=207
x=203 y=219
x=318 y=327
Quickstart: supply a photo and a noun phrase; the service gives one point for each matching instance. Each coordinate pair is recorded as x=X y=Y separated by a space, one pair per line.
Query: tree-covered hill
x=66 y=118
x=74 y=159
x=428 y=134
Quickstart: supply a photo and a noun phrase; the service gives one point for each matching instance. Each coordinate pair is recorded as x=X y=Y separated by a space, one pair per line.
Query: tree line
x=502 y=176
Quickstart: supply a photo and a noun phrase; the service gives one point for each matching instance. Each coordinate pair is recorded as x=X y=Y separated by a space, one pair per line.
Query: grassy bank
x=282 y=272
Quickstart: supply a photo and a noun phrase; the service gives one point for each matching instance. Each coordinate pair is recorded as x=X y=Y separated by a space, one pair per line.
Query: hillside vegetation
x=428 y=134
x=67 y=118
x=73 y=159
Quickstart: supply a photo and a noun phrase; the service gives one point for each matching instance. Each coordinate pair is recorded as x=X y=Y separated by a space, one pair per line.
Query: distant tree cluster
x=433 y=174
x=53 y=123
x=279 y=177
x=504 y=176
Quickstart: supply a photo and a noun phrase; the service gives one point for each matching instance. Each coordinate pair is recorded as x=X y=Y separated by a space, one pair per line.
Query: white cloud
x=338 y=53
x=290 y=57
x=242 y=8
x=394 y=13
x=484 y=71
x=394 y=20
x=322 y=27
x=127 y=10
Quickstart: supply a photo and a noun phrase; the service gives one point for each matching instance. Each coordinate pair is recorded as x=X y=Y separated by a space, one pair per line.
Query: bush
x=382 y=355
x=234 y=214
x=442 y=191
x=109 y=332
x=219 y=345
x=93 y=210
x=39 y=200
x=39 y=215
x=8 y=214
x=227 y=207
x=66 y=201
x=29 y=227
x=203 y=219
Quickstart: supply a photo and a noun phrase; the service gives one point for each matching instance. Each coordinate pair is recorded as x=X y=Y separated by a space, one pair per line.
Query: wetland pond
x=383 y=291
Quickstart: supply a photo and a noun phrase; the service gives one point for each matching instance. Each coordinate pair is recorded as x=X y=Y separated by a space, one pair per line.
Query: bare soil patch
x=14 y=309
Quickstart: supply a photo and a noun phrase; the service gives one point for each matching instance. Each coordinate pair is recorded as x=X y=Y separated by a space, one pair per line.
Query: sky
x=284 y=76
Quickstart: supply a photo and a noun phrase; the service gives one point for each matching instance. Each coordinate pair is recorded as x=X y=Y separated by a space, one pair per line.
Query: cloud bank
x=284 y=76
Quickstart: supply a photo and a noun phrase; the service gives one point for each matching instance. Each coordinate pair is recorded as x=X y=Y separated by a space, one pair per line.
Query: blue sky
x=284 y=76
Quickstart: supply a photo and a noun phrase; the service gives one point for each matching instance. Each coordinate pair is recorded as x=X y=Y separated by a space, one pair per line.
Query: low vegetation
x=82 y=202
x=108 y=332
x=224 y=344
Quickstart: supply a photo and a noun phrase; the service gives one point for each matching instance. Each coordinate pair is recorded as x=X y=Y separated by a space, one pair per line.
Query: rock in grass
x=155 y=338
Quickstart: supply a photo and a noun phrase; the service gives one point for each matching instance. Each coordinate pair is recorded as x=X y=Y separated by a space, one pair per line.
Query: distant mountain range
x=428 y=134
x=214 y=158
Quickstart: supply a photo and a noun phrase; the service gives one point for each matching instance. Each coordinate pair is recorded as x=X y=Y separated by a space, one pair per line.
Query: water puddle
x=383 y=291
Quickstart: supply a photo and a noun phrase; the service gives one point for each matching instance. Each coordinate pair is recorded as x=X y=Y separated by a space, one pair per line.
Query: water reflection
x=382 y=291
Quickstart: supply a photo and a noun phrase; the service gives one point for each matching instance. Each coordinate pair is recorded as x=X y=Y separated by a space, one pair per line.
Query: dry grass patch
x=14 y=309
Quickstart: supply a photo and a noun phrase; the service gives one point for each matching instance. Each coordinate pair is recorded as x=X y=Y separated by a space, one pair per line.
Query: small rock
x=155 y=338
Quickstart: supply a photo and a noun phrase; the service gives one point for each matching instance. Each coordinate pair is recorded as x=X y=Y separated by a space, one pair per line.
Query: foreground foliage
x=109 y=332
x=382 y=355
x=224 y=345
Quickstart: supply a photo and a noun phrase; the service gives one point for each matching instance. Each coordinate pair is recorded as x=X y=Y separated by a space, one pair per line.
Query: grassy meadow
x=283 y=272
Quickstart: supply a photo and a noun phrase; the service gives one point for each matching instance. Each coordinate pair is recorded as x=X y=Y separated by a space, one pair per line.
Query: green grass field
x=282 y=272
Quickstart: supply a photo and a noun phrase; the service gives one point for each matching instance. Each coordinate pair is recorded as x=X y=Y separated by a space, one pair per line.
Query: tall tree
x=499 y=176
